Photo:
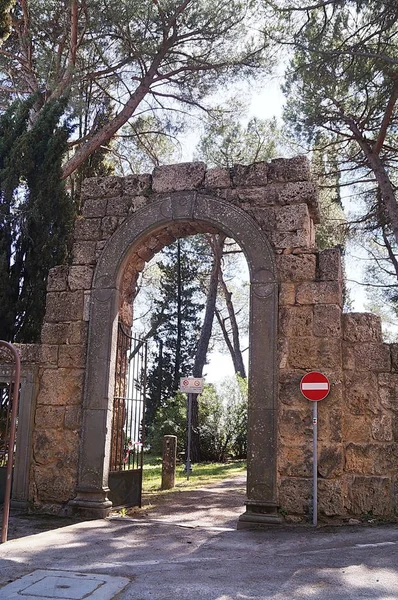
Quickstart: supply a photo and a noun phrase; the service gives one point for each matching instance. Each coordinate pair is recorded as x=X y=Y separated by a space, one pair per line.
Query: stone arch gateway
x=297 y=325
x=200 y=211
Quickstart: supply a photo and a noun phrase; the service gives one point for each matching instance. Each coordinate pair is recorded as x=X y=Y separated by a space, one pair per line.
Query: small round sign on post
x=315 y=386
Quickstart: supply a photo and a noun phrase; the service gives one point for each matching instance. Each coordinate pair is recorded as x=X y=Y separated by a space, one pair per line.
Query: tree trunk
x=217 y=243
x=237 y=357
x=177 y=364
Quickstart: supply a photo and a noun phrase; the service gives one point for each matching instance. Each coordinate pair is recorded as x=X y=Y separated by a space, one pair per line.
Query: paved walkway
x=196 y=553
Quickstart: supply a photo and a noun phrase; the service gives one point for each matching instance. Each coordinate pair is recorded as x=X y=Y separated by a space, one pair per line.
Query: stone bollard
x=169 y=461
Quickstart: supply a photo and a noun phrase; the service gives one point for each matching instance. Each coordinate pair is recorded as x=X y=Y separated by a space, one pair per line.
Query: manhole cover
x=63 y=585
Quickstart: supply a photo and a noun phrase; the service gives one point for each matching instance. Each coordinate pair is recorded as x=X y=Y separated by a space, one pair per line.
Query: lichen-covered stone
x=370 y=496
x=80 y=277
x=372 y=459
x=57 y=279
x=295 y=321
x=118 y=206
x=64 y=306
x=356 y=429
x=362 y=327
x=137 y=185
x=95 y=207
x=109 y=224
x=291 y=267
x=289 y=388
x=301 y=238
x=367 y=356
x=331 y=494
x=84 y=253
x=61 y=387
x=294 y=424
x=50 y=487
x=330 y=268
x=54 y=333
x=49 y=417
x=287 y=294
x=296 y=495
x=327 y=320
x=394 y=357
x=331 y=462
x=73 y=417
x=137 y=202
x=295 y=461
x=72 y=356
x=382 y=428
x=218 y=178
x=105 y=187
x=87 y=229
x=290 y=169
x=308 y=352
x=248 y=175
x=184 y=176
x=293 y=218
x=388 y=391
x=362 y=393
x=319 y=292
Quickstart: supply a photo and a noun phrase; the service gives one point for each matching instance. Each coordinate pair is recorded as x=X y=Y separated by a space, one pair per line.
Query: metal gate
x=9 y=396
x=127 y=442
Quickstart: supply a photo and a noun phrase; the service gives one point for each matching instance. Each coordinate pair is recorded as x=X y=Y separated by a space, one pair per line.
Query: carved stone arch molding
x=204 y=212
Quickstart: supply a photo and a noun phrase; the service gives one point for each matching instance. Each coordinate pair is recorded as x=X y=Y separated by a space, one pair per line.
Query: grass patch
x=202 y=474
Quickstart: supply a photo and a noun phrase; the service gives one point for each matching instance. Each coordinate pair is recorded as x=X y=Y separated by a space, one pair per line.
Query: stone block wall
x=357 y=421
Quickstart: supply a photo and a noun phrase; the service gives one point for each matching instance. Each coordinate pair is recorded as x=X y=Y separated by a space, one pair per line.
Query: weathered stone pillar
x=92 y=488
x=261 y=503
x=169 y=459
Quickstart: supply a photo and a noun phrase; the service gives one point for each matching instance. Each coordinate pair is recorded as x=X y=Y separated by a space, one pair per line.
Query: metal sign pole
x=188 y=465
x=315 y=462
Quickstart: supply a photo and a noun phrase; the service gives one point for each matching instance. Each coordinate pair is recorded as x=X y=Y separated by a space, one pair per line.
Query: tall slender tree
x=179 y=303
x=36 y=214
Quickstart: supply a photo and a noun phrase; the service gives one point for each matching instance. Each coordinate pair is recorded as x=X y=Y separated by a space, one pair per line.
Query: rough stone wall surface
x=358 y=425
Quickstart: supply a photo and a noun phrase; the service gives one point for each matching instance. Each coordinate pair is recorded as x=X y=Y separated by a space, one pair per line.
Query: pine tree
x=177 y=310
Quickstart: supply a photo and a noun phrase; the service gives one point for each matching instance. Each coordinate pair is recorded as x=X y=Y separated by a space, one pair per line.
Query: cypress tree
x=179 y=306
x=36 y=214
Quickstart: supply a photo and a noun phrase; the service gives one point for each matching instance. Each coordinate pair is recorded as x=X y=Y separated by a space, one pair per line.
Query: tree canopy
x=147 y=57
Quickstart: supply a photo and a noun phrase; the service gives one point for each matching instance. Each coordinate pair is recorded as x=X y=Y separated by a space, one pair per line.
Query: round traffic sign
x=315 y=386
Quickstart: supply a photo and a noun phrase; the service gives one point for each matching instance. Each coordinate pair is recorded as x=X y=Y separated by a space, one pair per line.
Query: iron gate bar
x=15 y=378
x=129 y=403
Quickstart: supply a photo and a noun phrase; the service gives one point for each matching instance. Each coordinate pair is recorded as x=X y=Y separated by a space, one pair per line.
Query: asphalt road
x=174 y=557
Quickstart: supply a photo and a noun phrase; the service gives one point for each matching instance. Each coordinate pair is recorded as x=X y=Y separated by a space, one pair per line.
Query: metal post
x=188 y=464
x=14 y=383
x=315 y=462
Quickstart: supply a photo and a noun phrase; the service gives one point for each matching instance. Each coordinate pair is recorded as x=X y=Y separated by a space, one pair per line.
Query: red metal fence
x=8 y=424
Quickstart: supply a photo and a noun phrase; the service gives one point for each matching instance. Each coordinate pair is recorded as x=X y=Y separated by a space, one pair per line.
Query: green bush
x=222 y=422
x=170 y=419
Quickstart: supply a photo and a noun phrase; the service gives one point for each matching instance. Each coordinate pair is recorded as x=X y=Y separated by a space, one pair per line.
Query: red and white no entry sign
x=315 y=386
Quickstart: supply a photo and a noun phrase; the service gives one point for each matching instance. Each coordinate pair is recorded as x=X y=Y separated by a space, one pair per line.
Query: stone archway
x=200 y=212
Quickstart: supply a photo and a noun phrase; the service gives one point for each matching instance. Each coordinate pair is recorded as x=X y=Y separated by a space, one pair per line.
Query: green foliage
x=222 y=417
x=226 y=142
x=36 y=214
x=170 y=419
x=176 y=313
x=223 y=421
x=149 y=57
